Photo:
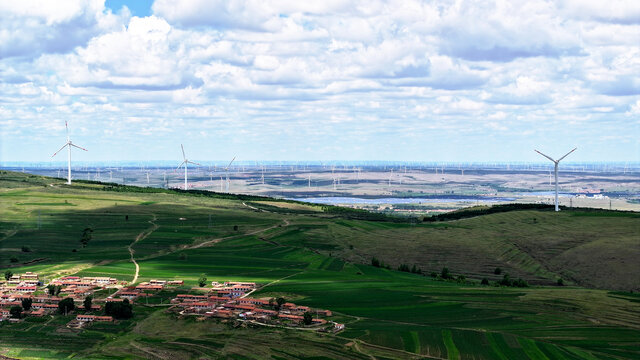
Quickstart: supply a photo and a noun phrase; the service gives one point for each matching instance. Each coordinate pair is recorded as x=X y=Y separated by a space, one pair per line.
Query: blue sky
x=331 y=80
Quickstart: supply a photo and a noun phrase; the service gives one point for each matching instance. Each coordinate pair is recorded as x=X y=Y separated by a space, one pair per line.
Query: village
x=106 y=299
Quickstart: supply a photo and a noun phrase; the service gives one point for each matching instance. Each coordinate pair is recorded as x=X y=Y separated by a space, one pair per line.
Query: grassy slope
x=388 y=314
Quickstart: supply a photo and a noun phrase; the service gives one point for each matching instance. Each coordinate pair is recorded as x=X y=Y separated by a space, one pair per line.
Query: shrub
x=484 y=281
x=202 y=281
x=560 y=282
x=433 y=274
x=26 y=249
x=497 y=271
x=13 y=259
x=86 y=236
x=8 y=274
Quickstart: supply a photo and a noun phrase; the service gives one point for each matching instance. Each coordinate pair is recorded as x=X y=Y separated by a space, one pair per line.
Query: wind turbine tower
x=68 y=145
x=556 y=162
x=226 y=170
x=185 y=162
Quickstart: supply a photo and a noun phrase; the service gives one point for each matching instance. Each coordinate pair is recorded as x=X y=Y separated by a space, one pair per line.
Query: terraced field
x=322 y=260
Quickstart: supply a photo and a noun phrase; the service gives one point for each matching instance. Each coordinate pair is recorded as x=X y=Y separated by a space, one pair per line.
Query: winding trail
x=213 y=241
x=141 y=236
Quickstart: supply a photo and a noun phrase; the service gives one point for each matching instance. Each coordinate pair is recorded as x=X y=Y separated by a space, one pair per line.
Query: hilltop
x=321 y=257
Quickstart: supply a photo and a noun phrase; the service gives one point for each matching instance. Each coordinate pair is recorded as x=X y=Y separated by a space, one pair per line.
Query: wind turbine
x=185 y=162
x=226 y=170
x=556 y=162
x=68 y=145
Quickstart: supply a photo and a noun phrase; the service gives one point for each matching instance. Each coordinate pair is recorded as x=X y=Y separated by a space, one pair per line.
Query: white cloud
x=31 y=27
x=374 y=70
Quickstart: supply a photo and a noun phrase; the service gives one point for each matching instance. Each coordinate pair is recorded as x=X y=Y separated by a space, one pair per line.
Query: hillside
x=320 y=258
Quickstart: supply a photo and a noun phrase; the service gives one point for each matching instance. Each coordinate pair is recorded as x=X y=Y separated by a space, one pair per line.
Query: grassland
x=321 y=260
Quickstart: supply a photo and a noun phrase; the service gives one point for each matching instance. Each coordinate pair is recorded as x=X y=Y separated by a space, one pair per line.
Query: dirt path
x=141 y=236
x=9 y=234
x=277 y=281
x=149 y=352
x=213 y=241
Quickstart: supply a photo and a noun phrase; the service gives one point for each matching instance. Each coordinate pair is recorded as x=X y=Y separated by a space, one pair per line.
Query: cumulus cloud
x=31 y=27
x=278 y=70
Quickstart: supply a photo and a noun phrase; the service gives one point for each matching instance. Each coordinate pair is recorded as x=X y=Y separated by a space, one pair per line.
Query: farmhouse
x=89 y=318
x=26 y=289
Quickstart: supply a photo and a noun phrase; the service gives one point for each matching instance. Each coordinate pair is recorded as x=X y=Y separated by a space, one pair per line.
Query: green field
x=322 y=259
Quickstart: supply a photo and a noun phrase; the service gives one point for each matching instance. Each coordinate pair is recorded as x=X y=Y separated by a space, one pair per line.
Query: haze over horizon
x=338 y=80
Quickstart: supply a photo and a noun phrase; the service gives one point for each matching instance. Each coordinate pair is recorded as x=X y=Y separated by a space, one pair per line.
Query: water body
x=391 y=200
x=547 y=193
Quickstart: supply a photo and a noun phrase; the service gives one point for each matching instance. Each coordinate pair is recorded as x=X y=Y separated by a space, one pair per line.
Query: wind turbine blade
x=548 y=157
x=227 y=168
x=179 y=166
x=192 y=162
x=183 y=155
x=78 y=147
x=56 y=153
x=66 y=126
x=567 y=154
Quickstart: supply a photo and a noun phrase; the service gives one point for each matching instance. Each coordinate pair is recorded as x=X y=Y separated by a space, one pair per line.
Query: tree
x=279 y=302
x=86 y=236
x=445 y=274
x=235 y=227
x=506 y=280
x=497 y=271
x=119 y=310
x=7 y=275
x=53 y=290
x=13 y=259
x=560 y=282
x=308 y=318
x=484 y=281
x=16 y=312
x=26 y=304
x=404 y=267
x=520 y=283
x=375 y=262
x=66 y=305
x=202 y=281
x=87 y=303
x=26 y=249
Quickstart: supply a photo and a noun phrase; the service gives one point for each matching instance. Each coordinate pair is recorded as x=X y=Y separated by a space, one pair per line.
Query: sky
x=467 y=81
